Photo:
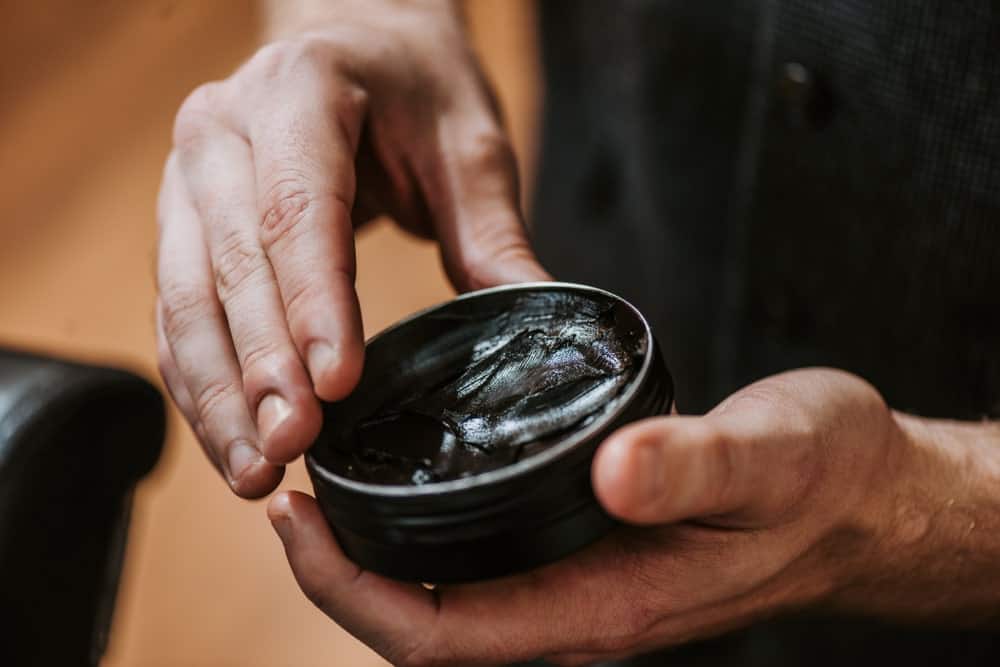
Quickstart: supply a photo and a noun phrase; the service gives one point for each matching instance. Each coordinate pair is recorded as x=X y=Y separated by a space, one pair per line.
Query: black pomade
x=545 y=367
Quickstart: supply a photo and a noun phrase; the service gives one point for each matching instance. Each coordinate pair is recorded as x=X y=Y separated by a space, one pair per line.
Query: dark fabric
x=673 y=173
x=781 y=183
x=875 y=241
x=644 y=111
x=73 y=442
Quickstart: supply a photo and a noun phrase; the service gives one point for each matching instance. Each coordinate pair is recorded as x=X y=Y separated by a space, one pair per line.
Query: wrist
x=933 y=526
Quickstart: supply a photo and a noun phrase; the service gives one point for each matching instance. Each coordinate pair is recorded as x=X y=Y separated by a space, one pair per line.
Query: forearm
x=282 y=18
x=936 y=556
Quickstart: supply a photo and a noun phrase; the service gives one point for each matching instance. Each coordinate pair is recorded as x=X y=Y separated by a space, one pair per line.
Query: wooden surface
x=87 y=95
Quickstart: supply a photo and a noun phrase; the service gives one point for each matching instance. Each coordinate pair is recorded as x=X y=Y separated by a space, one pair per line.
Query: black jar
x=513 y=518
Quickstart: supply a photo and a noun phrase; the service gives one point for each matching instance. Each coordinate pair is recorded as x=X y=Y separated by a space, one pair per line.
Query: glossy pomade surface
x=499 y=388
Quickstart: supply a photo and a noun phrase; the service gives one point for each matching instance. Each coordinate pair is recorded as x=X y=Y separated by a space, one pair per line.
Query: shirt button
x=805 y=99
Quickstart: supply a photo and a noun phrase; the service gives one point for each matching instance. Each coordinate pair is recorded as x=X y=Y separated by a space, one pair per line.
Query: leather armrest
x=74 y=440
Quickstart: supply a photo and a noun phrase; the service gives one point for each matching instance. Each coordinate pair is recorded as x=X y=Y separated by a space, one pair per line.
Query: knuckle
x=197 y=114
x=724 y=463
x=279 y=58
x=350 y=102
x=212 y=395
x=486 y=150
x=236 y=264
x=260 y=354
x=265 y=363
x=183 y=307
x=299 y=297
x=778 y=400
x=305 y=296
x=286 y=205
x=269 y=57
x=772 y=398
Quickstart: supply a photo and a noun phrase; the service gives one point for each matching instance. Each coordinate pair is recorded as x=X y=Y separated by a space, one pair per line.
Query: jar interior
x=481 y=383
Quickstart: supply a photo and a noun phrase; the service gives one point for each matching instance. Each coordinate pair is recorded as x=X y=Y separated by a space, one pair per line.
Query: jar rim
x=542 y=459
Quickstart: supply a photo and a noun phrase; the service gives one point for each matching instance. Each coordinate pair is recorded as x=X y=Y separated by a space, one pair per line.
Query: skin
x=257 y=314
x=803 y=491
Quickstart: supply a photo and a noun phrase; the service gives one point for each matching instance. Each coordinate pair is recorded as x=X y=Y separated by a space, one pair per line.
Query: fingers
x=207 y=378
x=304 y=148
x=553 y=609
x=582 y=604
x=391 y=617
x=750 y=459
x=628 y=593
x=218 y=169
x=470 y=182
x=259 y=248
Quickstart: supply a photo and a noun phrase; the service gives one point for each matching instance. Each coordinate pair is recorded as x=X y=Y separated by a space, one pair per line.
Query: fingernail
x=283 y=527
x=319 y=356
x=242 y=455
x=271 y=413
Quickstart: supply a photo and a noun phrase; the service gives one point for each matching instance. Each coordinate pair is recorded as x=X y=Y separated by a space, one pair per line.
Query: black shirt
x=784 y=183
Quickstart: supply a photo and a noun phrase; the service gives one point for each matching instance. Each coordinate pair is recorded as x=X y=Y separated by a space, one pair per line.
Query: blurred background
x=88 y=91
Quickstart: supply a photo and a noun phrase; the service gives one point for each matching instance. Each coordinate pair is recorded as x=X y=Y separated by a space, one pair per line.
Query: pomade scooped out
x=544 y=367
x=465 y=451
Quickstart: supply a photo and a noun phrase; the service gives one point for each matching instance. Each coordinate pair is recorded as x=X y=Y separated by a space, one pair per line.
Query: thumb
x=733 y=464
x=471 y=187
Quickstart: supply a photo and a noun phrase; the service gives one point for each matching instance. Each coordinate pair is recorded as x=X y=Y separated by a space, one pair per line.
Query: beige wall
x=87 y=94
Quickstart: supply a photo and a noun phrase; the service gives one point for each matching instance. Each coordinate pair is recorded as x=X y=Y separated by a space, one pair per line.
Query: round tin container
x=513 y=518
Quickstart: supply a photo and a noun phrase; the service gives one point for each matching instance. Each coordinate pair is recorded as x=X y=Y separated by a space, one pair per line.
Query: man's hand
x=378 y=109
x=798 y=491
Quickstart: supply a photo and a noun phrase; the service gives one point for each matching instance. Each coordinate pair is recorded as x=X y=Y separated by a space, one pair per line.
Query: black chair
x=74 y=440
